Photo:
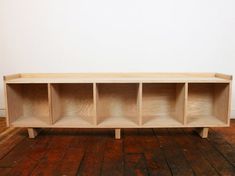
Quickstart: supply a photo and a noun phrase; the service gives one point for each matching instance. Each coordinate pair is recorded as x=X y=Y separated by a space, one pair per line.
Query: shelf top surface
x=117 y=78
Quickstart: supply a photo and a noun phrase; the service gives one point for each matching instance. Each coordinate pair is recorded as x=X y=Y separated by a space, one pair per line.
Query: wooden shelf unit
x=117 y=104
x=72 y=104
x=163 y=104
x=28 y=105
x=118 y=100
x=208 y=104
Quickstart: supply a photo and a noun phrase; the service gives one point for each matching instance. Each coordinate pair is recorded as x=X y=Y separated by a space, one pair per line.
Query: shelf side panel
x=35 y=101
x=221 y=102
x=117 y=100
x=159 y=100
x=77 y=101
x=200 y=100
x=55 y=102
x=95 y=102
x=14 y=102
x=180 y=102
x=139 y=102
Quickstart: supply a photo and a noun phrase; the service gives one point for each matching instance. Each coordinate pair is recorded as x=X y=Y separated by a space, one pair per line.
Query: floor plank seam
x=79 y=167
x=164 y=154
x=182 y=152
x=221 y=136
x=223 y=155
x=198 y=149
x=102 y=160
x=22 y=140
x=46 y=148
x=163 y=151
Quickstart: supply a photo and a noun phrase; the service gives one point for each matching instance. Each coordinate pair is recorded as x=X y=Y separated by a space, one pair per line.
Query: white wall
x=123 y=35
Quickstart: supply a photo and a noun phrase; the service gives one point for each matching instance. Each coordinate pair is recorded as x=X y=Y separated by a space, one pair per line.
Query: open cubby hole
x=163 y=104
x=28 y=105
x=72 y=104
x=117 y=104
x=208 y=104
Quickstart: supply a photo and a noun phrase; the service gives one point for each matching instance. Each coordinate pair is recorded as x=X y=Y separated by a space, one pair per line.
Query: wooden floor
x=95 y=152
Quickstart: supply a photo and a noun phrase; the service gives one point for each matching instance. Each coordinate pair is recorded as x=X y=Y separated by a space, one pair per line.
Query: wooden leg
x=117 y=133
x=32 y=132
x=203 y=132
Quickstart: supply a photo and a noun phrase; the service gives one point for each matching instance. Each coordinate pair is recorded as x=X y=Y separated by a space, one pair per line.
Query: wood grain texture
x=208 y=104
x=118 y=100
x=140 y=152
x=55 y=102
x=14 y=102
x=75 y=104
x=221 y=102
x=10 y=77
x=163 y=102
x=224 y=76
x=118 y=77
x=28 y=101
x=117 y=103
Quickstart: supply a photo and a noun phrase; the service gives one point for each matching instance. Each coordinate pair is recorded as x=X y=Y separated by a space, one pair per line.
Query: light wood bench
x=118 y=100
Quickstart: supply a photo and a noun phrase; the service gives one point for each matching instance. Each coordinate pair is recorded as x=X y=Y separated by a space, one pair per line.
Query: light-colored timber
x=118 y=133
x=118 y=100
x=203 y=132
x=32 y=132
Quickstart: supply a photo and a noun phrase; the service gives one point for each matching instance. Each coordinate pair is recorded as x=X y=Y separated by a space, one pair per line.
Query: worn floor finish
x=95 y=152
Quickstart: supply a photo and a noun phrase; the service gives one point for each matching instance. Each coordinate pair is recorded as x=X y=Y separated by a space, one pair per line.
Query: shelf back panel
x=117 y=101
x=73 y=100
x=28 y=101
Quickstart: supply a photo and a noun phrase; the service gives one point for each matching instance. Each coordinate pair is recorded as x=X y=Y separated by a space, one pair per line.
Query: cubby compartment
x=163 y=104
x=208 y=104
x=72 y=104
x=28 y=105
x=117 y=104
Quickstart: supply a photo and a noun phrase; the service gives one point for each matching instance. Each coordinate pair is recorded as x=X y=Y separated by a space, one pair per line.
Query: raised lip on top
x=116 y=77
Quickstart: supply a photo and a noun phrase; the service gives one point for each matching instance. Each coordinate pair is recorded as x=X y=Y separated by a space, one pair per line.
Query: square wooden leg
x=203 y=132
x=117 y=133
x=32 y=132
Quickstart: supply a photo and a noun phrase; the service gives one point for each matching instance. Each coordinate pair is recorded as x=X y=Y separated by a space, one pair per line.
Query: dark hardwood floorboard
x=210 y=153
x=223 y=146
x=94 y=155
x=134 y=159
x=113 y=163
x=197 y=161
x=155 y=159
x=91 y=152
x=174 y=154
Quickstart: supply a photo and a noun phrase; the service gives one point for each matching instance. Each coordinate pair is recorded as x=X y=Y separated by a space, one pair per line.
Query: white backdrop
x=116 y=36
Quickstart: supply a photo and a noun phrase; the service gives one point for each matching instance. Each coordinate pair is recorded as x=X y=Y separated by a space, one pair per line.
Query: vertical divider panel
x=95 y=101
x=180 y=102
x=186 y=104
x=54 y=100
x=50 y=103
x=230 y=102
x=13 y=97
x=6 y=104
x=222 y=102
x=139 y=102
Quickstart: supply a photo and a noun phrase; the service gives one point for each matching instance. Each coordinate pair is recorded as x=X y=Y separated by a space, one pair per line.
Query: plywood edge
x=139 y=102
x=224 y=76
x=6 y=105
x=10 y=77
x=185 y=118
x=50 y=104
x=117 y=74
x=229 y=103
x=203 y=132
x=95 y=103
